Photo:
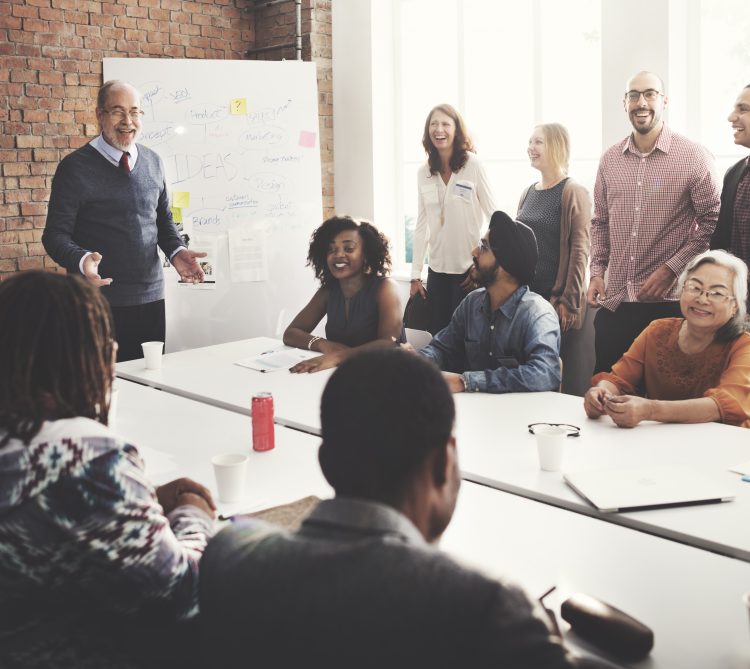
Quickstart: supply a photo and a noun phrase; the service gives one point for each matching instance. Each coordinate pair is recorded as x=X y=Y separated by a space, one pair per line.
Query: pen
x=746 y=478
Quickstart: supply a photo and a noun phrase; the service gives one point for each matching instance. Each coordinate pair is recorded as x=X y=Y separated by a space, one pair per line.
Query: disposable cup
x=230 y=470
x=152 y=353
x=550 y=444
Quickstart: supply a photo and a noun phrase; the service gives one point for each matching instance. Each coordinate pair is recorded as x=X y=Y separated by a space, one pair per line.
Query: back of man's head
x=383 y=413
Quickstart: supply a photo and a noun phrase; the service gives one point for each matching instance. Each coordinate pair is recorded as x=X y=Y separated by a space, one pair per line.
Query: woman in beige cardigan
x=558 y=210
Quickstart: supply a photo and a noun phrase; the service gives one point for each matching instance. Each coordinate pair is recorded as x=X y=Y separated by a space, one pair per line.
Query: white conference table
x=209 y=375
x=690 y=598
x=178 y=437
x=495 y=447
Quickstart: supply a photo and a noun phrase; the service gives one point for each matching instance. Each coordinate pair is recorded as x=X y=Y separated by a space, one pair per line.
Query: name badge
x=463 y=190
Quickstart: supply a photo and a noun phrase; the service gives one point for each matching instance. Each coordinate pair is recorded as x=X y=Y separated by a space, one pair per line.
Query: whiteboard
x=240 y=145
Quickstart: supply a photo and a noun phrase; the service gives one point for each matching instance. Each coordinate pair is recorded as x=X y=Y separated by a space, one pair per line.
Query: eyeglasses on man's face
x=694 y=291
x=650 y=94
x=120 y=114
x=482 y=246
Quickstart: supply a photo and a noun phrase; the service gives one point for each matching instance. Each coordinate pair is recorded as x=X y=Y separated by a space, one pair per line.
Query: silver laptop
x=650 y=487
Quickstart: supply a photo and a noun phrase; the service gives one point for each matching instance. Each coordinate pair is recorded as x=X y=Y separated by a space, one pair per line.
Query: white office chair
x=417 y=338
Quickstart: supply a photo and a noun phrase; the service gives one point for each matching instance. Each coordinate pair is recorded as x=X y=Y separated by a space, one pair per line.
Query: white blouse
x=451 y=218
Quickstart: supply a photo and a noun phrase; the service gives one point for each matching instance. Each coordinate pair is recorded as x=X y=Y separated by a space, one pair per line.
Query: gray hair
x=738 y=323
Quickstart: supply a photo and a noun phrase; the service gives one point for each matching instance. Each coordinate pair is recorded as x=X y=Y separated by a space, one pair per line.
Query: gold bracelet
x=311 y=342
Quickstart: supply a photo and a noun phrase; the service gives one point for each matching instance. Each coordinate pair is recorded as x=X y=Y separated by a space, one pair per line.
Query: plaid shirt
x=651 y=210
x=741 y=222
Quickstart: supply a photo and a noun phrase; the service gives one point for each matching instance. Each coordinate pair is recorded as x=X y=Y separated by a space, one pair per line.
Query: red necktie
x=124 y=164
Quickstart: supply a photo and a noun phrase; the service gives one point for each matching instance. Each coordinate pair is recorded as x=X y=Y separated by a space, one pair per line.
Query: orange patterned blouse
x=721 y=372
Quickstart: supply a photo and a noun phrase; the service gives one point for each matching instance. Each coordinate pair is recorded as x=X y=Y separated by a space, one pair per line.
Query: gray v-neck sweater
x=96 y=206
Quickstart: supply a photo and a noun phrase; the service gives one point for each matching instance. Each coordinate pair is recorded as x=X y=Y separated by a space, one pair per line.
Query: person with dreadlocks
x=86 y=542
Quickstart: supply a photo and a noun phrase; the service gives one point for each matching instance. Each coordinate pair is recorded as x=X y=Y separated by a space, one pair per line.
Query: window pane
x=429 y=66
x=725 y=70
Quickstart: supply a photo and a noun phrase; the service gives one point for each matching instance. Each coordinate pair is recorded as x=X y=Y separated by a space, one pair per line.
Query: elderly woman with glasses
x=694 y=369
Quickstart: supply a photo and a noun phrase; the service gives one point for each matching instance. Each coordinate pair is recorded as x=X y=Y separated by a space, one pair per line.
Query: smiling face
x=119 y=120
x=699 y=310
x=346 y=256
x=740 y=119
x=645 y=115
x=442 y=131
x=537 y=150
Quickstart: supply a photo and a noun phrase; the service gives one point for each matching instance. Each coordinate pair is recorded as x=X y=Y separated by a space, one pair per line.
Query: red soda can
x=262 y=415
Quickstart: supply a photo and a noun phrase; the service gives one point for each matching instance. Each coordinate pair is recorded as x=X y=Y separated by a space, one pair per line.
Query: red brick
x=51 y=14
x=17 y=196
x=174 y=51
x=9 y=210
x=20 y=224
x=15 y=169
x=10 y=23
x=40 y=194
x=7 y=266
x=31 y=263
x=9 y=237
x=33 y=209
x=31 y=182
x=35 y=248
x=48 y=103
x=137 y=12
x=35 y=25
x=125 y=22
x=25 y=11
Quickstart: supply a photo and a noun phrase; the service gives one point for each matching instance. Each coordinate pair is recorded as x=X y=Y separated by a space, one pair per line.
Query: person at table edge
x=695 y=369
x=359 y=583
x=502 y=338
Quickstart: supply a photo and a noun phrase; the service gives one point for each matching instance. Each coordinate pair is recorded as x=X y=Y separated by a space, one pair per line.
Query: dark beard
x=485 y=276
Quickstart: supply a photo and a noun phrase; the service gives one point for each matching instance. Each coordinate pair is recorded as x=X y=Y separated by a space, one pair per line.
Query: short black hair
x=374 y=245
x=383 y=412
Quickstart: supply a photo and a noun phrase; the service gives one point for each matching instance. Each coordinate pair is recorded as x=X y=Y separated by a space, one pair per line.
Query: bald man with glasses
x=656 y=203
x=109 y=212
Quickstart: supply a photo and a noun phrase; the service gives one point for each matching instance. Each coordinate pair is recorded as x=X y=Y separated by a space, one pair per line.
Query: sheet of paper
x=209 y=246
x=238 y=106
x=247 y=255
x=278 y=359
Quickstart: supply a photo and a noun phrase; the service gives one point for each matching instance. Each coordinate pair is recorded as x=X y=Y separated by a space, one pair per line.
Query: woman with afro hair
x=351 y=260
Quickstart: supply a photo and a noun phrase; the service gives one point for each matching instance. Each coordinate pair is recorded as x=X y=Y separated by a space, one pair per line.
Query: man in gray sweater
x=108 y=212
x=359 y=584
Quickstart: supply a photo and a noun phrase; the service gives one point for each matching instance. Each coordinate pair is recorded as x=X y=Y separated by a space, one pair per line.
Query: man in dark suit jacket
x=733 y=229
x=359 y=585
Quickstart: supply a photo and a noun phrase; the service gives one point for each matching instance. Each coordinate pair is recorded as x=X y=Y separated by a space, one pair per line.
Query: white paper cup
x=550 y=444
x=230 y=470
x=112 y=415
x=152 y=353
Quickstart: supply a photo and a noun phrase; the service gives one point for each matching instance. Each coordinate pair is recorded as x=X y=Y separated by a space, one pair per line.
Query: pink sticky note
x=307 y=139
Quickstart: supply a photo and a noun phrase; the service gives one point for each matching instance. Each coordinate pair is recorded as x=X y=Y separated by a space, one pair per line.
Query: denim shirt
x=515 y=349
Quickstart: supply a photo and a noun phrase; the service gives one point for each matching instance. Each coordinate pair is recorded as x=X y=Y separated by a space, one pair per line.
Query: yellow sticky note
x=181 y=199
x=238 y=106
x=177 y=214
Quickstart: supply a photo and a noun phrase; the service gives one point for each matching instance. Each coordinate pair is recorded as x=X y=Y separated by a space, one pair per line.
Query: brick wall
x=51 y=69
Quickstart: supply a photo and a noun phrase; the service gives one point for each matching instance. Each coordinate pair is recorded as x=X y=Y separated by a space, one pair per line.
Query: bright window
x=506 y=66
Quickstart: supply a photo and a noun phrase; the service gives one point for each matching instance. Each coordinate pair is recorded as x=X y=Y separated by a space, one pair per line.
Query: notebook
x=650 y=487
